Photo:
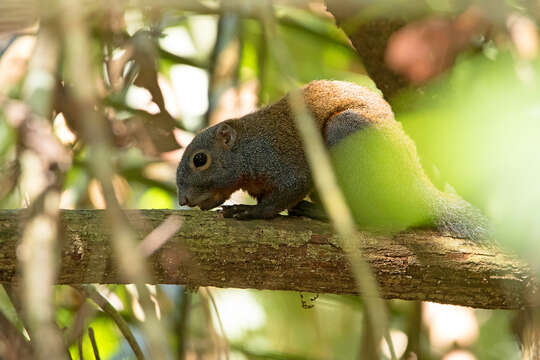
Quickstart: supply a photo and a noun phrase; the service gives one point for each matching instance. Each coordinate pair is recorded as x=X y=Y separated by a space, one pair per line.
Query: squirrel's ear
x=227 y=135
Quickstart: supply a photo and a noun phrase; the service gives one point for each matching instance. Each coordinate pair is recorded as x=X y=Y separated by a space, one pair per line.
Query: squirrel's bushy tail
x=457 y=217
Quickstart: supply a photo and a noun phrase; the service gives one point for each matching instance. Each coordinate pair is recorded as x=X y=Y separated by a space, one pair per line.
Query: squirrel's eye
x=200 y=160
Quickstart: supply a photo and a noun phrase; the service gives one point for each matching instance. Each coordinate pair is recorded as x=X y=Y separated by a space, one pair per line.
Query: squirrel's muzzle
x=204 y=201
x=182 y=200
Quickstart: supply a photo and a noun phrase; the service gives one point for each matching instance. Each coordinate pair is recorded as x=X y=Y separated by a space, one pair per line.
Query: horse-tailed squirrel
x=375 y=161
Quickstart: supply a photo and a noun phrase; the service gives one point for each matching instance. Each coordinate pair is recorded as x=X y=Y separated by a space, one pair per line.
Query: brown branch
x=285 y=254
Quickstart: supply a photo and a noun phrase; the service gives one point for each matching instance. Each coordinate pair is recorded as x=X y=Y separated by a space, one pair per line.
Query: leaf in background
x=380 y=175
x=480 y=126
x=155 y=198
x=161 y=128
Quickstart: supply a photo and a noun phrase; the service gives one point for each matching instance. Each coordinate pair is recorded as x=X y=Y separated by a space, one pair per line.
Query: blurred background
x=144 y=77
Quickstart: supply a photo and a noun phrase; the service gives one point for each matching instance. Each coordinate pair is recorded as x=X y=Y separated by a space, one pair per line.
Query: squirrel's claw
x=246 y=212
x=240 y=212
x=310 y=210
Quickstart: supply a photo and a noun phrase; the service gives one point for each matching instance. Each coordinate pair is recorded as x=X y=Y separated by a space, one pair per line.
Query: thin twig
x=218 y=317
x=39 y=242
x=224 y=62
x=182 y=322
x=160 y=235
x=331 y=195
x=80 y=348
x=105 y=305
x=80 y=71
x=177 y=59
x=85 y=311
x=414 y=330
x=205 y=305
x=93 y=341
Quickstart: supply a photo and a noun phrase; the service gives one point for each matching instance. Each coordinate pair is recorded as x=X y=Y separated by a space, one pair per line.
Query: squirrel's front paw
x=246 y=212
x=240 y=212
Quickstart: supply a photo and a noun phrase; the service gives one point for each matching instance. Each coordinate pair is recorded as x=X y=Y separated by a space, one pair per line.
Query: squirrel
x=375 y=161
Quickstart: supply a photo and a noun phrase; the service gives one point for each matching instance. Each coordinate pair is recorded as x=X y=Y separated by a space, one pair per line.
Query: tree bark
x=285 y=254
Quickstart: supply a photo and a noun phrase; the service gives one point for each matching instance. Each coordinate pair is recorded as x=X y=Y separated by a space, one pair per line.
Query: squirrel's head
x=206 y=175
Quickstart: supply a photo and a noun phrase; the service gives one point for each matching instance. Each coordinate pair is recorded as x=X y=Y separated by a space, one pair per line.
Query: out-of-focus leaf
x=155 y=198
x=322 y=28
x=495 y=340
x=322 y=332
x=480 y=127
x=313 y=57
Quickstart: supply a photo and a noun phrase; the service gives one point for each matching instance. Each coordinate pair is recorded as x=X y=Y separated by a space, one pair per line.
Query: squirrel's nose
x=182 y=200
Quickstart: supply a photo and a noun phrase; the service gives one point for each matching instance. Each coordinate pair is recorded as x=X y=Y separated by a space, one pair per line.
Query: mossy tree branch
x=284 y=254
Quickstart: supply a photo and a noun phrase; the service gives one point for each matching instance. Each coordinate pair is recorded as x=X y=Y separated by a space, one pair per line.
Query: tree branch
x=285 y=254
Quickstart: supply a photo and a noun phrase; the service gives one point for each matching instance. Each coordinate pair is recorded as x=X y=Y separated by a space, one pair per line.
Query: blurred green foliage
x=478 y=126
x=396 y=194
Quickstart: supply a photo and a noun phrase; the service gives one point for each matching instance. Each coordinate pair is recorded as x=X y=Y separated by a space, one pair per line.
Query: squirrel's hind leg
x=343 y=124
